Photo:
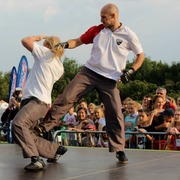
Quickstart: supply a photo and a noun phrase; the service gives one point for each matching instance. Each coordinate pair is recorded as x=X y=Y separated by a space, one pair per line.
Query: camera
x=16 y=95
x=18 y=99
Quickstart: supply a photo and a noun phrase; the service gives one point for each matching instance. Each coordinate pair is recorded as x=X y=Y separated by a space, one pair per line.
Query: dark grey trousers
x=22 y=127
x=83 y=83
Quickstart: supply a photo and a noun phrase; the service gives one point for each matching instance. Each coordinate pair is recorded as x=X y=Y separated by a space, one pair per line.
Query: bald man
x=112 y=42
x=163 y=92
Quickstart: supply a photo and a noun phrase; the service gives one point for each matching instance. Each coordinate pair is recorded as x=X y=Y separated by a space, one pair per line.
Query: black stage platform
x=93 y=164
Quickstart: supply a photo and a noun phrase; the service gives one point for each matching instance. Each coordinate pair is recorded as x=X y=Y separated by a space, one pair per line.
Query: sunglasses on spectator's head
x=159 y=93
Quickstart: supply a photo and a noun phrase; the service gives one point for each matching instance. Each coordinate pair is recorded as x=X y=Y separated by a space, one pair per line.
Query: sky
x=156 y=23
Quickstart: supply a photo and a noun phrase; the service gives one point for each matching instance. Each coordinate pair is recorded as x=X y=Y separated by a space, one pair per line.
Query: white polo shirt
x=46 y=70
x=110 y=49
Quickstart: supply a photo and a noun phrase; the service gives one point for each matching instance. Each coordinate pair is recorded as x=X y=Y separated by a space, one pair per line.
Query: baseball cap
x=18 y=89
x=168 y=112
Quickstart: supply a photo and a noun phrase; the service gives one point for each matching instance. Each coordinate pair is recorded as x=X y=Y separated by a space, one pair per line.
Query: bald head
x=110 y=16
x=110 y=8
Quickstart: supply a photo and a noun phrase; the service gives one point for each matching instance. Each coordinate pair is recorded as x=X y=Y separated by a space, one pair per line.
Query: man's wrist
x=131 y=70
x=64 y=45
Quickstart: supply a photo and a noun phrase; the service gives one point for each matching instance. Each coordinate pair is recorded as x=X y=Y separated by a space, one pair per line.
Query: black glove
x=64 y=45
x=127 y=75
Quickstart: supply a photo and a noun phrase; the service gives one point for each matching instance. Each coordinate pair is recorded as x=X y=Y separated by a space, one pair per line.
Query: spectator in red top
x=163 y=92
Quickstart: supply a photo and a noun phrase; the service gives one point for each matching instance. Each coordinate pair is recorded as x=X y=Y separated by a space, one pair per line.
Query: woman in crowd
x=157 y=109
x=84 y=124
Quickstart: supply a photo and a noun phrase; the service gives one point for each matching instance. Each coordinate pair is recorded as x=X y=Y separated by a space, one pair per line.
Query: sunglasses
x=160 y=93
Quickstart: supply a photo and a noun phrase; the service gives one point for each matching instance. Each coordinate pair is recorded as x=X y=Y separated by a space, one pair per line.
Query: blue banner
x=22 y=72
x=13 y=79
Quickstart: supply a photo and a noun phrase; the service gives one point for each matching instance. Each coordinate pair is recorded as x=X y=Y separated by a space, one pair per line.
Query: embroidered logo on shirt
x=119 y=41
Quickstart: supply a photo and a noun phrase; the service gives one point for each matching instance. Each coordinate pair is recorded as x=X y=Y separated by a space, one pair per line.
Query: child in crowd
x=173 y=132
x=69 y=121
x=130 y=120
x=70 y=118
x=99 y=122
x=125 y=109
x=91 y=108
x=143 y=125
x=99 y=118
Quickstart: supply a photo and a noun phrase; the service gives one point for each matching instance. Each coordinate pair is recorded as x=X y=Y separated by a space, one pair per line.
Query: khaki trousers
x=22 y=128
x=84 y=82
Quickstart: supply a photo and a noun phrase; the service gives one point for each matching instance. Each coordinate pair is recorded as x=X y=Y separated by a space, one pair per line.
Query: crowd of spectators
x=158 y=113
x=153 y=114
x=9 y=113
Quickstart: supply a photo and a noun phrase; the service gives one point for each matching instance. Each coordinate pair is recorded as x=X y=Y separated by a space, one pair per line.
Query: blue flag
x=22 y=72
x=13 y=79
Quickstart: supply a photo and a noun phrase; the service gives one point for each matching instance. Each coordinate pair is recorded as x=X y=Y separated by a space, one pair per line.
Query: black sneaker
x=60 y=151
x=122 y=157
x=36 y=165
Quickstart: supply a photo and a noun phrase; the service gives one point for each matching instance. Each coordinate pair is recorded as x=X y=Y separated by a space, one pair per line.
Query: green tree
x=71 y=68
x=136 y=90
x=4 y=85
x=151 y=75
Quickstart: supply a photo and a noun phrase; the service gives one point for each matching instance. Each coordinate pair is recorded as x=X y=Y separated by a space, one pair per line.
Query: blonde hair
x=135 y=104
x=92 y=105
x=127 y=100
x=172 y=100
x=101 y=111
x=173 y=123
x=52 y=41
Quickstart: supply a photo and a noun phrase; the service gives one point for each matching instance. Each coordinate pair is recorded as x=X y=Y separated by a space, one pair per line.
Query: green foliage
x=136 y=89
x=93 y=97
x=151 y=75
x=71 y=68
x=4 y=85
